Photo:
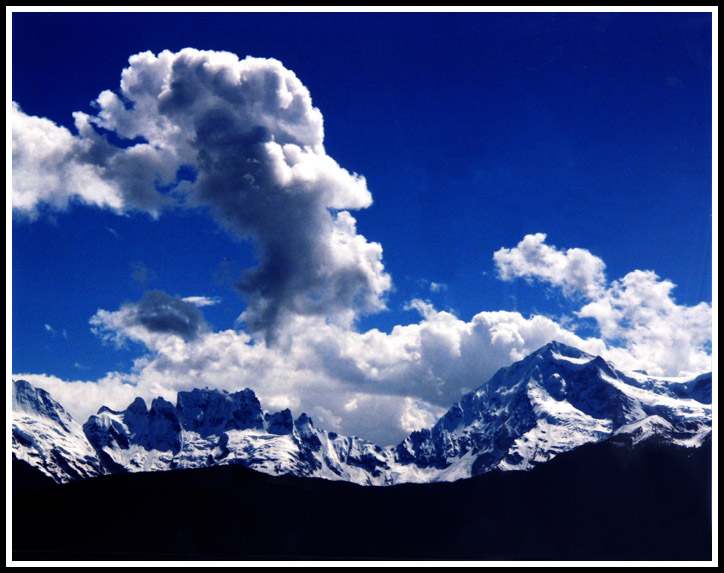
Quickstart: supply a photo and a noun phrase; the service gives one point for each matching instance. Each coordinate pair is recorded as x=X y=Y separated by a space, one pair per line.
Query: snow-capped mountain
x=47 y=437
x=212 y=427
x=553 y=401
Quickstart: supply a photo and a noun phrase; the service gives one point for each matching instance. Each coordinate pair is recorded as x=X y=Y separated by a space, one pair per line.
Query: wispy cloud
x=142 y=274
x=202 y=300
x=54 y=332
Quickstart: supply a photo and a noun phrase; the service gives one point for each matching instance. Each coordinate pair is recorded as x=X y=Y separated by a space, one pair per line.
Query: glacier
x=553 y=401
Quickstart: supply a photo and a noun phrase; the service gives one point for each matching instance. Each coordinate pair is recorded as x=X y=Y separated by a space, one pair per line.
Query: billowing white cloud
x=637 y=316
x=50 y=168
x=660 y=336
x=576 y=271
x=249 y=132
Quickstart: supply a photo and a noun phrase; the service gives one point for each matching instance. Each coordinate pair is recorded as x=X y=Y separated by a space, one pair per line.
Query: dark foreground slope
x=599 y=502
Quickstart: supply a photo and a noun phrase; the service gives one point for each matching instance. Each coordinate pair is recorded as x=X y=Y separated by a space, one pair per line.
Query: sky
x=359 y=216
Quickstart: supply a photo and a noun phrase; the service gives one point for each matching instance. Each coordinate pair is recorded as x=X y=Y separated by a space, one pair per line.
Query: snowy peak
x=553 y=401
x=212 y=411
x=203 y=412
x=47 y=437
x=32 y=401
x=280 y=423
x=558 y=351
x=214 y=427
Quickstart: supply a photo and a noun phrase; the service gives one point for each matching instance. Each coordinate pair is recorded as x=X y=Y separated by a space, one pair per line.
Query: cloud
x=201 y=301
x=636 y=315
x=155 y=317
x=249 y=132
x=575 y=271
x=49 y=168
x=82 y=398
x=661 y=336
x=54 y=332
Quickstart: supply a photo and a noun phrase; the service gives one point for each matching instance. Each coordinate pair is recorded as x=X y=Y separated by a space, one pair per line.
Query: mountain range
x=556 y=400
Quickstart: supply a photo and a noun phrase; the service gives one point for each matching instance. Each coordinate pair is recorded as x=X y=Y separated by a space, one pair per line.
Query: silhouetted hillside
x=600 y=502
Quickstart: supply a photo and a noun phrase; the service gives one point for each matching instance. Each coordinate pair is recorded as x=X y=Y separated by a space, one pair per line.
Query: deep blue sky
x=472 y=130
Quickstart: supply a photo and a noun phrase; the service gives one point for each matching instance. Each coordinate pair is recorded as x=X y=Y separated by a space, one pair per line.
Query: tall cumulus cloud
x=248 y=131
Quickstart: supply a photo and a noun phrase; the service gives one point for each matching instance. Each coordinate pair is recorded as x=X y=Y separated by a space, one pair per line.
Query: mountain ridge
x=554 y=400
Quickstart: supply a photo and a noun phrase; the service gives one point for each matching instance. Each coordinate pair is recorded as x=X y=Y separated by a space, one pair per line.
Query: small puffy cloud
x=576 y=271
x=419 y=415
x=155 y=317
x=159 y=312
x=432 y=286
x=248 y=131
